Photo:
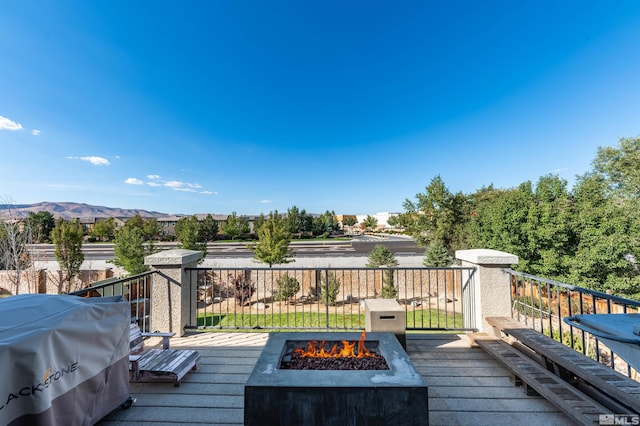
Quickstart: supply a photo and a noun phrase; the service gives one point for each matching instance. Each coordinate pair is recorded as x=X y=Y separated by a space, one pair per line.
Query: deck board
x=466 y=386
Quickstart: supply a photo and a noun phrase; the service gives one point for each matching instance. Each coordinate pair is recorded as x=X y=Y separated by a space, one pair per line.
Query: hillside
x=72 y=210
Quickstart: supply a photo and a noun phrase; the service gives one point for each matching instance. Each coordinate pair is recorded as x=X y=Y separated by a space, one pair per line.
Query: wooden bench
x=616 y=391
x=536 y=380
x=158 y=364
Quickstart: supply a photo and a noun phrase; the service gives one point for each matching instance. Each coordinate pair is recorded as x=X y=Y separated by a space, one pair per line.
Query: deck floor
x=466 y=386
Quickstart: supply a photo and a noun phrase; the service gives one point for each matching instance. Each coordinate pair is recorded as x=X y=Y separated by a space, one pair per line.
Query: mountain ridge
x=72 y=210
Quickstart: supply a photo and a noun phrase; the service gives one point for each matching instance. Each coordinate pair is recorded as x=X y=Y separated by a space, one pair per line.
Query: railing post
x=490 y=285
x=172 y=293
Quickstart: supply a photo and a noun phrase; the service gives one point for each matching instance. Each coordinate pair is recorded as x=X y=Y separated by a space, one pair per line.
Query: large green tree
x=273 y=241
x=438 y=215
x=67 y=239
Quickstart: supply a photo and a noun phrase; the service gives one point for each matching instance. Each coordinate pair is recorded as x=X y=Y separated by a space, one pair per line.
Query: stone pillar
x=173 y=296
x=489 y=287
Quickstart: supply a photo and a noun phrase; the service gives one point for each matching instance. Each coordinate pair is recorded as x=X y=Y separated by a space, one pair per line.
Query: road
x=358 y=246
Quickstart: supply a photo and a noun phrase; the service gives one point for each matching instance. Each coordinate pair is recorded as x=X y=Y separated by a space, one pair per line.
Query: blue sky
x=253 y=106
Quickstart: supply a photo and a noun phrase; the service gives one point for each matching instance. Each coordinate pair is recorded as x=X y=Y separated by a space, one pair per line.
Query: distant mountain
x=73 y=210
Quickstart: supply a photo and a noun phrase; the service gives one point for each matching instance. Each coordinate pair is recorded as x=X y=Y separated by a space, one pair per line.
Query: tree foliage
x=15 y=256
x=40 y=224
x=130 y=250
x=370 y=223
x=208 y=229
x=273 y=241
x=585 y=236
x=235 y=226
x=67 y=239
x=104 y=230
x=189 y=235
x=382 y=256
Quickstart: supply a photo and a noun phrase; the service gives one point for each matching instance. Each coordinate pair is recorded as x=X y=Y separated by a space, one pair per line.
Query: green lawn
x=431 y=318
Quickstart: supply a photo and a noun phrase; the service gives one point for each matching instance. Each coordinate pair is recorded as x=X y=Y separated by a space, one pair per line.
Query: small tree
x=151 y=228
x=235 y=226
x=14 y=250
x=104 y=230
x=208 y=229
x=288 y=287
x=189 y=237
x=382 y=256
x=67 y=239
x=329 y=288
x=370 y=223
x=436 y=256
x=273 y=241
x=130 y=250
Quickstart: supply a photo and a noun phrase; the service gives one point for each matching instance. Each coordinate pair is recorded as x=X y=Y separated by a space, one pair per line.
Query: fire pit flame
x=347 y=350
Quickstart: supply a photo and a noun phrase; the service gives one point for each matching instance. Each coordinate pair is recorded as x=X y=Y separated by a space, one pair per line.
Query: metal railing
x=543 y=303
x=326 y=298
x=136 y=289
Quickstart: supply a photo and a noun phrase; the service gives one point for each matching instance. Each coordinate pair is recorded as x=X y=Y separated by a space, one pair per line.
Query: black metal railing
x=326 y=298
x=136 y=289
x=543 y=303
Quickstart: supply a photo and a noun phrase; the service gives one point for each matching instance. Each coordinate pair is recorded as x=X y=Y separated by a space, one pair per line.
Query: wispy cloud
x=156 y=181
x=96 y=161
x=36 y=132
x=6 y=124
x=266 y=201
x=560 y=170
x=134 y=181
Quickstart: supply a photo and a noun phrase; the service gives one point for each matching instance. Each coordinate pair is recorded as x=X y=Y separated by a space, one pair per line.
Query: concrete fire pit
x=275 y=396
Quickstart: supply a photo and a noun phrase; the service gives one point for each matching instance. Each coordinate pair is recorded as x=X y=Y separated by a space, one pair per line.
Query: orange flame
x=315 y=350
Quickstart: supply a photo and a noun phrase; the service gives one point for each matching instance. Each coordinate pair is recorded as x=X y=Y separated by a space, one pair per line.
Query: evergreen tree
x=130 y=250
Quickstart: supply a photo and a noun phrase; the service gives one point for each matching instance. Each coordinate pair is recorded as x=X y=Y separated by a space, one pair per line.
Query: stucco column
x=172 y=295
x=489 y=286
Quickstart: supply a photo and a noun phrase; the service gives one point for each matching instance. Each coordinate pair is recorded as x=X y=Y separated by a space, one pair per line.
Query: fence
x=136 y=289
x=542 y=303
x=326 y=298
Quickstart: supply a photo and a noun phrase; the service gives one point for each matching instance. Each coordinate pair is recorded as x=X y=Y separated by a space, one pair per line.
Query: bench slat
x=569 y=400
x=598 y=375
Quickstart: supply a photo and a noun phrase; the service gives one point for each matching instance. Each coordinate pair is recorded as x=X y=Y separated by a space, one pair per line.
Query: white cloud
x=153 y=177
x=117 y=157
x=6 y=124
x=96 y=161
x=36 y=132
x=266 y=201
x=182 y=186
x=154 y=184
x=208 y=193
x=134 y=181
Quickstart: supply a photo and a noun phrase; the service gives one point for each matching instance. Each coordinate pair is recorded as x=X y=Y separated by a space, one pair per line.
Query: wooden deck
x=466 y=386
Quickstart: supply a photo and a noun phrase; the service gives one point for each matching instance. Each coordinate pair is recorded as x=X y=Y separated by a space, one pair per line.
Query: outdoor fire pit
x=376 y=385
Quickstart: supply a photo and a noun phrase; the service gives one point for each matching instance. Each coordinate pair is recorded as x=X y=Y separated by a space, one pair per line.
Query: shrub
x=389 y=290
x=329 y=288
x=288 y=287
